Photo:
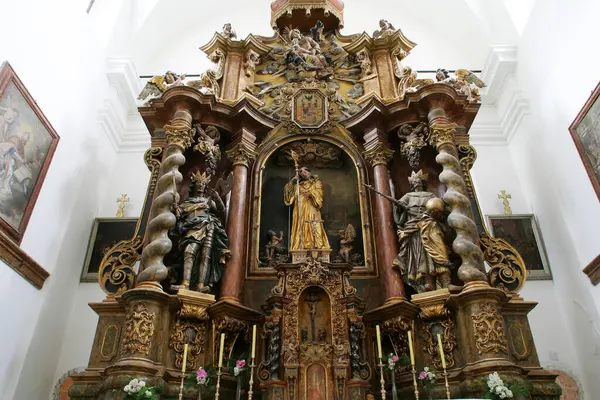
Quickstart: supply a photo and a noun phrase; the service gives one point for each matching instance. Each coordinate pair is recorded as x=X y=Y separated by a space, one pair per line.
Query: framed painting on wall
x=522 y=233
x=106 y=233
x=27 y=144
x=585 y=131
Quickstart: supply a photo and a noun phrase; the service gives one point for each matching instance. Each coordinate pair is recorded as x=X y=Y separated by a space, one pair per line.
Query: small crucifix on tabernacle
x=312 y=299
x=122 y=200
x=314 y=223
x=505 y=196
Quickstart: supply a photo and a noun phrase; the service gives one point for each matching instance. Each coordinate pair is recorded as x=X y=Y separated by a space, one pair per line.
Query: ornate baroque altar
x=312 y=185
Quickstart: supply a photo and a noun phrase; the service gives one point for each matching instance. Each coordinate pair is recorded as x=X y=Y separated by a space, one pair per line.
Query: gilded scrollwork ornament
x=116 y=273
x=489 y=333
x=449 y=342
x=508 y=271
x=191 y=332
x=139 y=328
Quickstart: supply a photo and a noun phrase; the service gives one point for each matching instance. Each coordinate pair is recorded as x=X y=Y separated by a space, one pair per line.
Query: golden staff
x=296 y=158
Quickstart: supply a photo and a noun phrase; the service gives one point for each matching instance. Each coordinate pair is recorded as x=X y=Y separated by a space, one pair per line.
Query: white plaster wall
x=556 y=40
x=58 y=54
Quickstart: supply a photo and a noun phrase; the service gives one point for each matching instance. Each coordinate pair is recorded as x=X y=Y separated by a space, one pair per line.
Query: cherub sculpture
x=156 y=86
x=365 y=63
x=252 y=60
x=275 y=245
x=346 y=243
x=385 y=28
x=201 y=237
x=465 y=82
x=408 y=82
x=208 y=145
x=228 y=31
x=414 y=139
x=423 y=256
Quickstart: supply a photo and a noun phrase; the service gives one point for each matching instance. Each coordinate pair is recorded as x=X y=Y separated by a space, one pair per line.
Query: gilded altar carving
x=464 y=82
x=139 y=328
x=380 y=154
x=179 y=134
x=442 y=134
x=269 y=368
x=520 y=347
x=449 y=342
x=319 y=154
x=488 y=327
x=192 y=332
x=413 y=138
x=468 y=155
x=241 y=154
x=116 y=274
x=432 y=311
x=508 y=271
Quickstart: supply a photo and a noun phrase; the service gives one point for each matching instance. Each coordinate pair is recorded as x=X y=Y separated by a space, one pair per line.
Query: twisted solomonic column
x=461 y=216
x=180 y=135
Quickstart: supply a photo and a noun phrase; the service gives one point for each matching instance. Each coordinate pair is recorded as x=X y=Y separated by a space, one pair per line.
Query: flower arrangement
x=202 y=377
x=392 y=360
x=240 y=365
x=137 y=389
x=498 y=390
x=427 y=378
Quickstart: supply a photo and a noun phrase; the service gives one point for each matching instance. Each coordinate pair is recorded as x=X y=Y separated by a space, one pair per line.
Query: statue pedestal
x=302 y=255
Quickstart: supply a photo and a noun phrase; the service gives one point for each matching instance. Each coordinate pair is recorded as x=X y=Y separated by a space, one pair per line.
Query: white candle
x=221 y=347
x=441 y=350
x=185 y=350
x=253 y=342
x=378 y=341
x=410 y=349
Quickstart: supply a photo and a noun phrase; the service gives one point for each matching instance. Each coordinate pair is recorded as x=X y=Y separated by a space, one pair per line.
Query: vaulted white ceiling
x=449 y=33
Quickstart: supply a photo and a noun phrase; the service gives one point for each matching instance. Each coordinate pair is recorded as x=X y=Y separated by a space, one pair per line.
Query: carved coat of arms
x=309 y=108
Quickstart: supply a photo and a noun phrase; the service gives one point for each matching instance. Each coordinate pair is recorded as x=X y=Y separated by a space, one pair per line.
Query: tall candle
x=185 y=350
x=221 y=347
x=253 y=342
x=410 y=348
x=378 y=341
x=441 y=350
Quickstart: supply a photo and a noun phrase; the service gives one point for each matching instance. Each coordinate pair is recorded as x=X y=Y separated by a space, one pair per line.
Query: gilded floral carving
x=442 y=134
x=488 y=327
x=380 y=154
x=139 y=328
x=430 y=345
x=191 y=332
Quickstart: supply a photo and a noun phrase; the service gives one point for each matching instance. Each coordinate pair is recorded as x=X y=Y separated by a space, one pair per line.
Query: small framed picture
x=522 y=232
x=106 y=233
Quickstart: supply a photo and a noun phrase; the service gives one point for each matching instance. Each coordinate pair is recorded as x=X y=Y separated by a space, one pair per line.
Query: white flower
x=200 y=381
x=142 y=383
x=236 y=371
x=127 y=389
x=509 y=393
x=426 y=369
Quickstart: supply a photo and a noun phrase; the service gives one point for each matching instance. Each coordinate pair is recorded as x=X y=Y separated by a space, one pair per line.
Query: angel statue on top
x=202 y=238
x=304 y=58
x=423 y=255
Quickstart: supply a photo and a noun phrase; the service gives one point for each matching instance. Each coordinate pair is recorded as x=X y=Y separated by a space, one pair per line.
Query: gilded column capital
x=241 y=154
x=379 y=154
x=179 y=134
x=442 y=134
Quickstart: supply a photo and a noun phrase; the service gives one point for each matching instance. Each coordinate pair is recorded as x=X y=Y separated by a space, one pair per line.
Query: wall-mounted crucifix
x=312 y=299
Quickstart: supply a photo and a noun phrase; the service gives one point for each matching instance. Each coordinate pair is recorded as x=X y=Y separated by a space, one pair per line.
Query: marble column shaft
x=241 y=154
x=378 y=154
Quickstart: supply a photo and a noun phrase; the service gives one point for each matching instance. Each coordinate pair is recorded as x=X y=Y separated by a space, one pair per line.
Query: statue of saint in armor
x=202 y=238
x=423 y=255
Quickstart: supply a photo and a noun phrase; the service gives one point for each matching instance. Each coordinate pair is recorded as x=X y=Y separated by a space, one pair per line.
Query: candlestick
x=379 y=354
x=251 y=375
x=414 y=374
x=447 y=386
x=410 y=349
x=441 y=351
x=183 y=365
x=253 y=342
x=218 y=383
x=381 y=366
x=221 y=350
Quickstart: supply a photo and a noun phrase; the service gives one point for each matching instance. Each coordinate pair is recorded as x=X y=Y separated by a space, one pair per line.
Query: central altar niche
x=320 y=217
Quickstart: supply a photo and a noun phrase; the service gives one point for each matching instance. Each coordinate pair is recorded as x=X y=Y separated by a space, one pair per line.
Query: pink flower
x=423 y=375
x=395 y=359
x=201 y=373
x=240 y=363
